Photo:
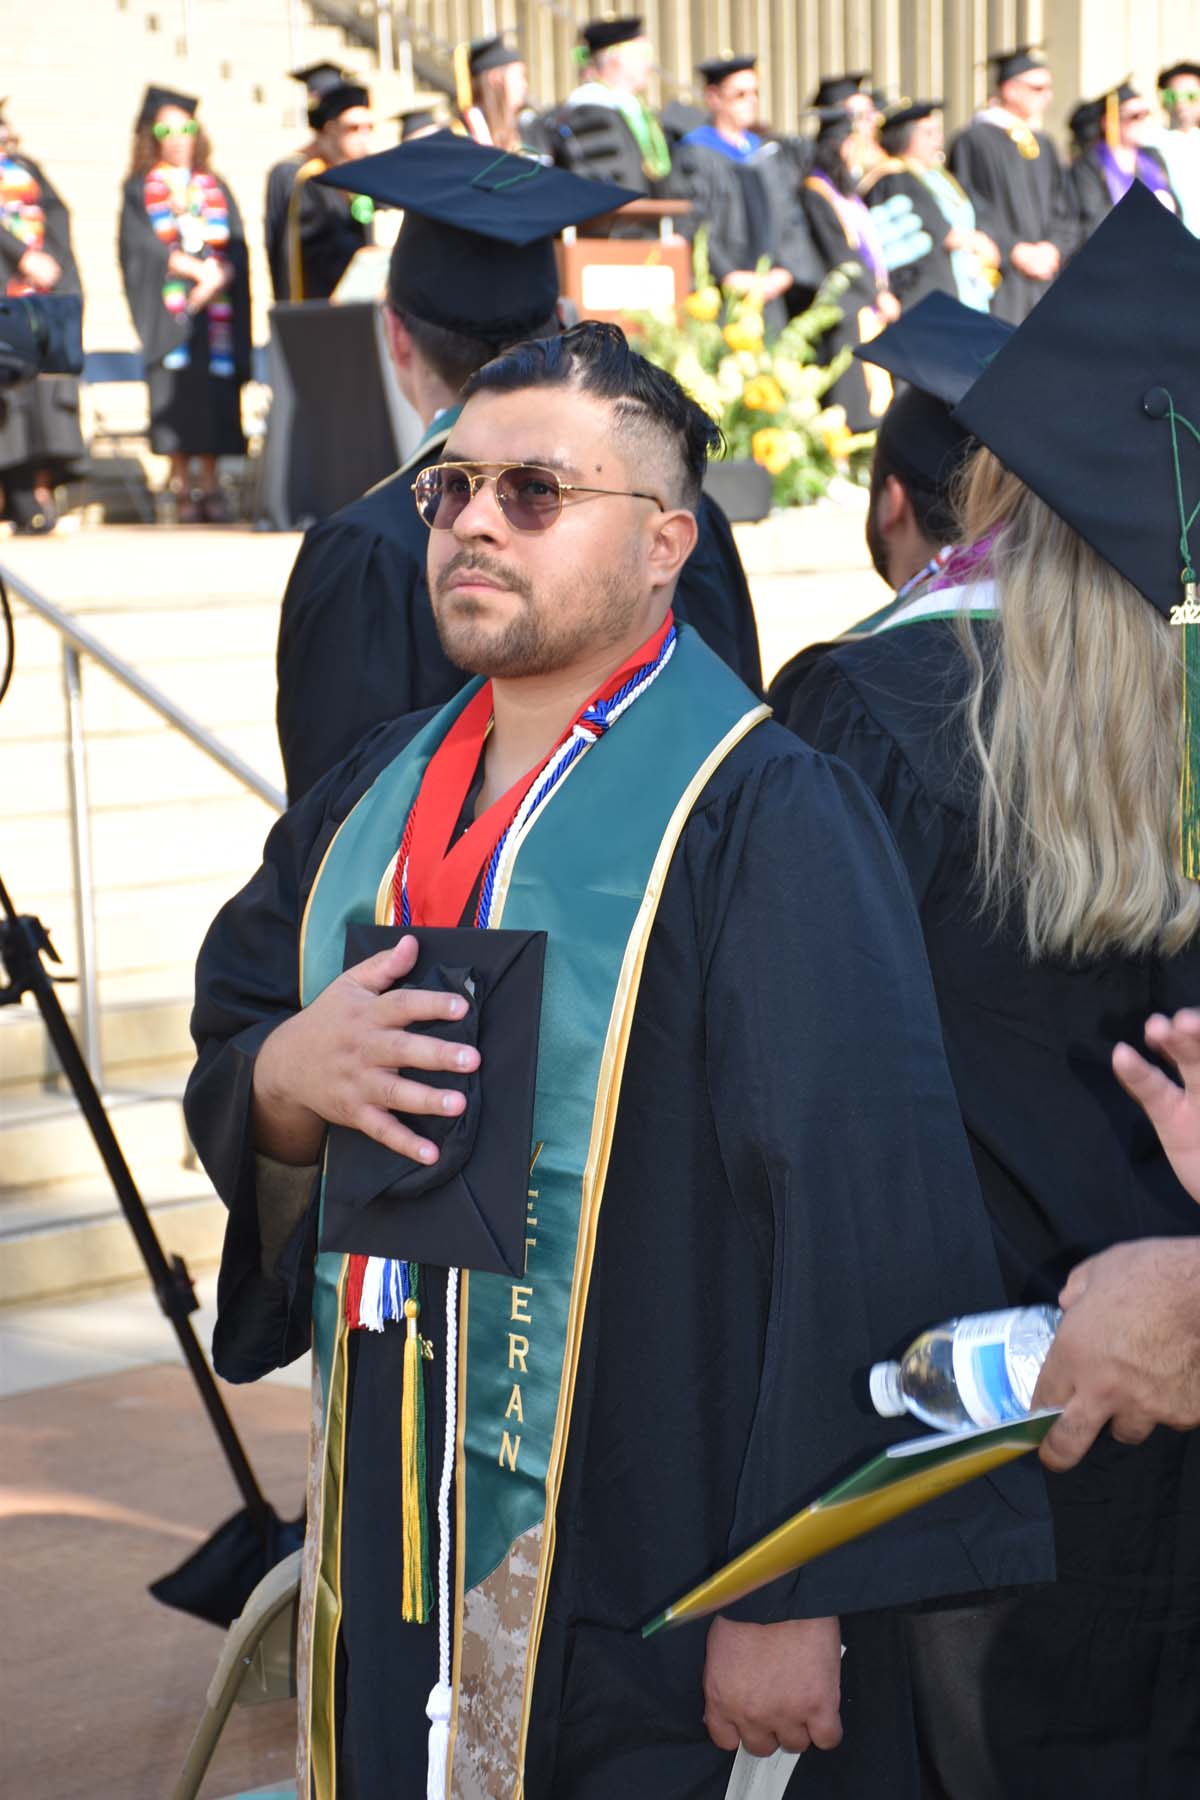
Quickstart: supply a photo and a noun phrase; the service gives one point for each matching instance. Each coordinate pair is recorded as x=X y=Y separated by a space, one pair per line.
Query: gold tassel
x=415 y=1602
x=463 y=92
x=1112 y=119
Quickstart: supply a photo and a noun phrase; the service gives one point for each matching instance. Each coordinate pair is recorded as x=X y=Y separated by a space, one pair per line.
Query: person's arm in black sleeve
x=714 y=598
x=839 y=1129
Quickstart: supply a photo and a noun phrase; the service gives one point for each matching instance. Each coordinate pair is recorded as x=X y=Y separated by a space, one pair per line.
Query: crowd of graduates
x=867 y=185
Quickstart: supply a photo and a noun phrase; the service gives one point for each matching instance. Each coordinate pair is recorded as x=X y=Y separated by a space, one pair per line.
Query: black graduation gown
x=281 y=179
x=357 y=642
x=750 y=209
x=829 y=236
x=330 y=237
x=1018 y=200
x=1091 y=1685
x=39 y=422
x=813 y=1204
x=595 y=142
x=932 y=273
x=1089 y=196
x=191 y=411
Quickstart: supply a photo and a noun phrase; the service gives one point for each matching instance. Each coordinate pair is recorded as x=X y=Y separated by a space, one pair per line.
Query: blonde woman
x=1022 y=729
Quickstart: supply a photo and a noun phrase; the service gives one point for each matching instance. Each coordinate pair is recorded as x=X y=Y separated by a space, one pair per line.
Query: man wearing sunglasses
x=1011 y=170
x=1113 y=133
x=472 y=271
x=1179 y=145
x=747 y=1170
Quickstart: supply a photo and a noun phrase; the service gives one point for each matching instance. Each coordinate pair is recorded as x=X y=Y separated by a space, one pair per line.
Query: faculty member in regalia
x=600 y=1315
x=1011 y=169
x=327 y=227
x=316 y=79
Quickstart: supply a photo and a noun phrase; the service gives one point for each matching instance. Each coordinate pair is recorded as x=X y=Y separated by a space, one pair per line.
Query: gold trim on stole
x=327 y=1617
x=595 y=1169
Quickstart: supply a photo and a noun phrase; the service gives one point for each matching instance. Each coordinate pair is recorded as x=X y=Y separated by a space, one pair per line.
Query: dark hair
x=895 y=139
x=827 y=157
x=454 y=356
x=596 y=359
x=933 y=507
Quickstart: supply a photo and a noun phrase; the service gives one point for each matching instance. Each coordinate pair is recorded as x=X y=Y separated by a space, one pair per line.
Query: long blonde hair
x=1074 y=721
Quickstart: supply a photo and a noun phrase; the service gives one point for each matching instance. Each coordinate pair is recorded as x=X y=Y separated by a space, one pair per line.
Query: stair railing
x=77 y=642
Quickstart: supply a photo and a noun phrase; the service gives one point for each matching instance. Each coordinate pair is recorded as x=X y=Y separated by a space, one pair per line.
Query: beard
x=549 y=630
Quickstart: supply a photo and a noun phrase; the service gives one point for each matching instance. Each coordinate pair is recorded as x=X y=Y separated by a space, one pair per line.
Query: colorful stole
x=21 y=214
x=189 y=211
x=1148 y=170
x=589 y=873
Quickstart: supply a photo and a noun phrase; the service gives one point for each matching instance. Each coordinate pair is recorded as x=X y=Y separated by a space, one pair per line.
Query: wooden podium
x=607 y=277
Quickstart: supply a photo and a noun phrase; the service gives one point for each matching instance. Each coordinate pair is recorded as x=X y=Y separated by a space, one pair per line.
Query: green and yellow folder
x=902 y=1478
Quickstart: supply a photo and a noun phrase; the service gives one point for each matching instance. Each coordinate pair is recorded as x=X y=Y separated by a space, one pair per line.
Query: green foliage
x=767 y=395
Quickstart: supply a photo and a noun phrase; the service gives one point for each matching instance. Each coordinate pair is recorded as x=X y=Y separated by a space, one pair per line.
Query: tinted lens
x=529 y=498
x=441 y=494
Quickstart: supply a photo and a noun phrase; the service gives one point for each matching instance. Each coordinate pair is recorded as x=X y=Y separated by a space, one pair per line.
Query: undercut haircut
x=454 y=356
x=648 y=403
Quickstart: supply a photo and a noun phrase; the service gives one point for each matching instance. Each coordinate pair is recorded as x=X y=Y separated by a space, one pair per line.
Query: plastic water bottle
x=980 y=1370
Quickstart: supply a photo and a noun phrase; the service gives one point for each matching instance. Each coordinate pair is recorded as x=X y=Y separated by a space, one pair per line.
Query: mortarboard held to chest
x=467 y=1210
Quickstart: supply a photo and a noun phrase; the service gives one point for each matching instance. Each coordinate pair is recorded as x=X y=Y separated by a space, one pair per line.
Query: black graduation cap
x=318 y=76
x=1008 y=64
x=832 y=90
x=467 y=1210
x=155 y=98
x=491 y=53
x=908 y=112
x=717 y=68
x=833 y=124
x=1168 y=77
x=1078 y=402
x=606 y=34
x=419 y=116
x=475 y=252
x=336 y=100
x=939 y=348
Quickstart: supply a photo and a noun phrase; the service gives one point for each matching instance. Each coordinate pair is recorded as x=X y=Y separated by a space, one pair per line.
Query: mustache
x=471 y=562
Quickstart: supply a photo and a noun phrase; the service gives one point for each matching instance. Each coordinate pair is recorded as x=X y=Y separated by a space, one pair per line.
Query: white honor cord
x=438 y=1705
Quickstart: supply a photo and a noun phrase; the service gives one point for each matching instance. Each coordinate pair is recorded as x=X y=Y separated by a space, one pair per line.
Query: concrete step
x=85 y=1243
x=159 y=765
x=130 y=1036
x=152 y=845
x=44 y=1138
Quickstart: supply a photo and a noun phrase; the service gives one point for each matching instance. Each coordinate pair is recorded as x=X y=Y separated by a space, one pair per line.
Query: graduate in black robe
x=1015 y=177
x=197 y=361
x=357 y=643
x=825 y=1169
x=1088 y=1686
x=326 y=227
x=40 y=440
x=317 y=80
x=1102 y=171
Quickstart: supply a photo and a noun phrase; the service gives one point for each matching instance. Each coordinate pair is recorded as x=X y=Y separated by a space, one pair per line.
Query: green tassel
x=1189 y=777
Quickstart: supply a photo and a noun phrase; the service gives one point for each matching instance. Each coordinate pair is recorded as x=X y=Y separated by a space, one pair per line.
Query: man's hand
x=1173 y=1111
x=40 y=270
x=1038 y=261
x=887 y=306
x=773 y=1686
x=1127 y=1350
x=336 y=1063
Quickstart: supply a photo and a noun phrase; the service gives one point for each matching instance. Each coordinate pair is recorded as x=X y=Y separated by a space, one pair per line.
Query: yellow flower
x=763 y=394
x=772 y=449
x=834 y=432
x=704 y=304
x=745 y=332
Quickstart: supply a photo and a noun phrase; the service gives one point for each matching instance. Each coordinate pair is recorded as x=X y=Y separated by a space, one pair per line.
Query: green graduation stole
x=589 y=872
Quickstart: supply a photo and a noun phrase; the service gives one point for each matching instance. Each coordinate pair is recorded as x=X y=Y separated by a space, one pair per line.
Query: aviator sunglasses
x=530 y=497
